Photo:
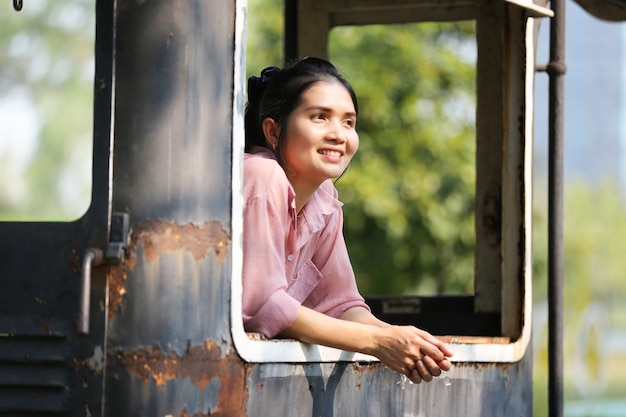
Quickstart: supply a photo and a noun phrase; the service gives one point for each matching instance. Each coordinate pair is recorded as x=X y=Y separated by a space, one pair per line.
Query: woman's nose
x=336 y=131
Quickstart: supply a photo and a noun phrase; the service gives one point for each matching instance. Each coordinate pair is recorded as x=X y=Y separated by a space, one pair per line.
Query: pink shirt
x=289 y=259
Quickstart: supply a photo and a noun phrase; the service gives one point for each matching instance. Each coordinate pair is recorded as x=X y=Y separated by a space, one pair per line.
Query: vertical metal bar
x=290 y=46
x=556 y=70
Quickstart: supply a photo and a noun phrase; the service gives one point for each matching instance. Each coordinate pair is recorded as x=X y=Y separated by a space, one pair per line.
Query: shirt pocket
x=305 y=281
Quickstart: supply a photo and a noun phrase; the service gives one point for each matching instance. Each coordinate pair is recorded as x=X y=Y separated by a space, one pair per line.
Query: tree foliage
x=46 y=96
x=409 y=193
x=594 y=226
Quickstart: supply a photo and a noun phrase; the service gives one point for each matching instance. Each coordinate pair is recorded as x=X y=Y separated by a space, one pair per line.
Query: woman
x=297 y=278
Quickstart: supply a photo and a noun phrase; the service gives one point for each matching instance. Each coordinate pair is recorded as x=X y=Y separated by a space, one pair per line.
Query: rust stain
x=361 y=368
x=157 y=236
x=117 y=289
x=475 y=339
x=95 y=363
x=485 y=366
x=184 y=413
x=45 y=325
x=200 y=364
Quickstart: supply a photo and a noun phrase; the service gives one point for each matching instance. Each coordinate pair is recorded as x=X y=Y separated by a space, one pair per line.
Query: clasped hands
x=412 y=352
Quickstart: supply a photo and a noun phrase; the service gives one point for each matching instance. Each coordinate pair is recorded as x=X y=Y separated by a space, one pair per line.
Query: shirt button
x=290 y=257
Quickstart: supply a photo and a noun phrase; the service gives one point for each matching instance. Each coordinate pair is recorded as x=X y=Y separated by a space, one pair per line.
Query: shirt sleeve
x=267 y=308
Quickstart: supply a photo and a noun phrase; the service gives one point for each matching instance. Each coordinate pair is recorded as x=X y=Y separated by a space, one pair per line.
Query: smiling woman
x=297 y=278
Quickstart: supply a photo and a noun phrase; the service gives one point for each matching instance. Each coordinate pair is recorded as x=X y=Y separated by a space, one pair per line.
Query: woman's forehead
x=327 y=94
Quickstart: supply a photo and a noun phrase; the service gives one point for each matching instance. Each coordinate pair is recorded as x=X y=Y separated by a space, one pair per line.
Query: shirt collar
x=323 y=201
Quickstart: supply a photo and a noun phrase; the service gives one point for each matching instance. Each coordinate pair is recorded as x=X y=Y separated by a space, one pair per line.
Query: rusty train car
x=135 y=308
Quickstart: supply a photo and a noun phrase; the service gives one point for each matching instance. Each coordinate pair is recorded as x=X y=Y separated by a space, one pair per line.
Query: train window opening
x=410 y=192
x=46 y=109
x=437 y=200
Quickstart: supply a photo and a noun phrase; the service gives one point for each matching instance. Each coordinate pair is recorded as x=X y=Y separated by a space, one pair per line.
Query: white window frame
x=466 y=348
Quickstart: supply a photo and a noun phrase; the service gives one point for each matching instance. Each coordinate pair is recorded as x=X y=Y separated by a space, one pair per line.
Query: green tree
x=409 y=192
x=46 y=92
x=594 y=225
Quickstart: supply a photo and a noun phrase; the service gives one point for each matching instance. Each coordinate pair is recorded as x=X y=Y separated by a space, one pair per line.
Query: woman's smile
x=335 y=155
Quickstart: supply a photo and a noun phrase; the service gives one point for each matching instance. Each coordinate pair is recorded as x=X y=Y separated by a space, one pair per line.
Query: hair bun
x=256 y=85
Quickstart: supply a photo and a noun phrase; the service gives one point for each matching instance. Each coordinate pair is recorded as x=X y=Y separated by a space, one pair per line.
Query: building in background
x=595 y=99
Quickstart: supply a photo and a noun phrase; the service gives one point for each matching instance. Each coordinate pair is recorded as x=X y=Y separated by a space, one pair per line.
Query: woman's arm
x=362 y=315
x=404 y=349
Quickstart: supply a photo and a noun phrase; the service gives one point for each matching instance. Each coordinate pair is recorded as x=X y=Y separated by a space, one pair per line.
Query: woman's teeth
x=330 y=153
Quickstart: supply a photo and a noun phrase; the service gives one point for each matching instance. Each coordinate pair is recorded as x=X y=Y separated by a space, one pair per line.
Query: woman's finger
x=444 y=365
x=414 y=376
x=423 y=371
x=432 y=366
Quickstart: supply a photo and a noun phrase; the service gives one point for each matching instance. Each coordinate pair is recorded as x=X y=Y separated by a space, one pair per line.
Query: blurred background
x=409 y=193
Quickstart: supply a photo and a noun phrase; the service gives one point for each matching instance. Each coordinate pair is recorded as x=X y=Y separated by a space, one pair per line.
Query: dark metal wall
x=348 y=389
x=46 y=366
x=169 y=350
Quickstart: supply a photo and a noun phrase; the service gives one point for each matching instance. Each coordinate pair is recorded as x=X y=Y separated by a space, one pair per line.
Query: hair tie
x=256 y=85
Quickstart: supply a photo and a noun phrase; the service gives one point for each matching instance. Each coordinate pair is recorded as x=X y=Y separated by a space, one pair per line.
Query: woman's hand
x=412 y=352
x=408 y=350
x=404 y=349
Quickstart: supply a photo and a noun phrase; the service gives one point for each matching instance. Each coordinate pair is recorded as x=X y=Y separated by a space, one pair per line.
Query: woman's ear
x=271 y=131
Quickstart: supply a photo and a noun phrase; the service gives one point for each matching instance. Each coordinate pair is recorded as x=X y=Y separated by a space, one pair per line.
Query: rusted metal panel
x=349 y=389
x=168 y=341
x=218 y=378
x=156 y=237
x=169 y=332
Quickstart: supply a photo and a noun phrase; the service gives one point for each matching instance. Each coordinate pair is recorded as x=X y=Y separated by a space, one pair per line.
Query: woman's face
x=321 y=136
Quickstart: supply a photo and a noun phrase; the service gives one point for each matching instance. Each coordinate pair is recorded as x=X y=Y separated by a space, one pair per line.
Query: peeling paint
x=95 y=362
x=360 y=368
x=499 y=340
x=200 y=364
x=156 y=237
x=184 y=413
x=117 y=289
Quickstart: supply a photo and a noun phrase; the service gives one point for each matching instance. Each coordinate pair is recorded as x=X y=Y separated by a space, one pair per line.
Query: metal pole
x=290 y=48
x=556 y=69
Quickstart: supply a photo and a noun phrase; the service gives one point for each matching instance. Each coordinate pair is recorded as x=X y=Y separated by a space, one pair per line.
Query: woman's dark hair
x=277 y=92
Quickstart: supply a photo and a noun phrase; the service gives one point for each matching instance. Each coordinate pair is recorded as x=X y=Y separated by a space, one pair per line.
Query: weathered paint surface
x=350 y=389
x=153 y=363
x=156 y=237
x=204 y=366
x=168 y=340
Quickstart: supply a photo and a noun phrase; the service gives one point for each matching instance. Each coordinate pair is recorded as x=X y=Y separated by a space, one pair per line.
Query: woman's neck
x=304 y=191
